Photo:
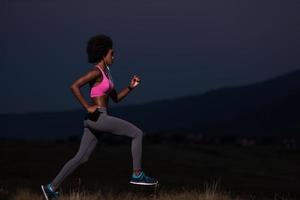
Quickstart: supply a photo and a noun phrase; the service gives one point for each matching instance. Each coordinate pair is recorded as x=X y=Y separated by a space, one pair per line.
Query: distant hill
x=280 y=118
x=265 y=108
x=236 y=109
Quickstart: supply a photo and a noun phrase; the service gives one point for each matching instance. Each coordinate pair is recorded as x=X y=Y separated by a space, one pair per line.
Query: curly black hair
x=97 y=47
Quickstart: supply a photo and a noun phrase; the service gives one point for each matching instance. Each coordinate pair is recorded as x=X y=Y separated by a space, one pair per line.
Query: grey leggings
x=95 y=123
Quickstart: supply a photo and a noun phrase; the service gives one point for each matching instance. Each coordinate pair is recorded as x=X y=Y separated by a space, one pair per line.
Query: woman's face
x=109 y=58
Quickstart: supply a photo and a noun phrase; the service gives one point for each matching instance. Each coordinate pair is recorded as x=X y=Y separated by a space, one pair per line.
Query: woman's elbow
x=73 y=87
x=116 y=100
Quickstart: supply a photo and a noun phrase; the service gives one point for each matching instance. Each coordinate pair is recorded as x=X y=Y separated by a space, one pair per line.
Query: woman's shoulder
x=95 y=72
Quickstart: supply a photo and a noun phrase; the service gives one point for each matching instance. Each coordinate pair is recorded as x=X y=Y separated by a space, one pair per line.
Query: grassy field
x=209 y=194
x=184 y=171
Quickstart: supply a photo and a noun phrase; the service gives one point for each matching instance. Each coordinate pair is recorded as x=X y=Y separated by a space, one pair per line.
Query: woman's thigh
x=114 y=125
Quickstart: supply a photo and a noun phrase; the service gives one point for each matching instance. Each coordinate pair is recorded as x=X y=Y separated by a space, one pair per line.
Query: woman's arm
x=75 y=87
x=117 y=97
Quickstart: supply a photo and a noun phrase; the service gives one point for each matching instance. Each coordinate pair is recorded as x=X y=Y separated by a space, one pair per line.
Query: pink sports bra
x=102 y=88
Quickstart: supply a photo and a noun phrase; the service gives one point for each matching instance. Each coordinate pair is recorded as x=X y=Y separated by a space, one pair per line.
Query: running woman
x=97 y=120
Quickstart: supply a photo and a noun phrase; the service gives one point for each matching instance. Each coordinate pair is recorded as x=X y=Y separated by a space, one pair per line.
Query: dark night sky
x=176 y=47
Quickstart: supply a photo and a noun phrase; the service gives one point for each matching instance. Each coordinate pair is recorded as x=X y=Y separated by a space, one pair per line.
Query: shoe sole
x=138 y=183
x=45 y=195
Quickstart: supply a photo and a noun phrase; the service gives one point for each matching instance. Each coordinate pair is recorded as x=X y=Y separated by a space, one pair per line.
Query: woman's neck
x=101 y=65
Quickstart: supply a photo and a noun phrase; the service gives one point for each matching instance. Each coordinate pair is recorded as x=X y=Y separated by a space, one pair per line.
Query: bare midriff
x=101 y=101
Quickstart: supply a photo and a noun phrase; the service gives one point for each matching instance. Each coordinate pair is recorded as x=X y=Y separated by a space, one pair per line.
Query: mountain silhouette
x=230 y=107
x=265 y=108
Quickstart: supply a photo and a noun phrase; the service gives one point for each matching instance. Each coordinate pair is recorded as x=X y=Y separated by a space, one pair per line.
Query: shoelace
x=147 y=178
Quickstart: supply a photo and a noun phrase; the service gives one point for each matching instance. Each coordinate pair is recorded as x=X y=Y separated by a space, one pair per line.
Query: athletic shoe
x=142 y=179
x=48 y=192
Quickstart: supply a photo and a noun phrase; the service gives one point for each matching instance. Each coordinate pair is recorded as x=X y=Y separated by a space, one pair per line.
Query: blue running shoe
x=48 y=192
x=142 y=179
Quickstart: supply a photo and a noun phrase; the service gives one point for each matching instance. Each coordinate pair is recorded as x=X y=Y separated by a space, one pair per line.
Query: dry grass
x=188 y=195
x=211 y=193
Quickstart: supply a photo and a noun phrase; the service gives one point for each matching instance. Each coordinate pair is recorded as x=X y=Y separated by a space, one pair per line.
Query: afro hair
x=97 y=47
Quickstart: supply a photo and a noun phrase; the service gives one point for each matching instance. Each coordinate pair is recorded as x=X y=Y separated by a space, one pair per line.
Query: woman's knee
x=139 y=133
x=84 y=159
